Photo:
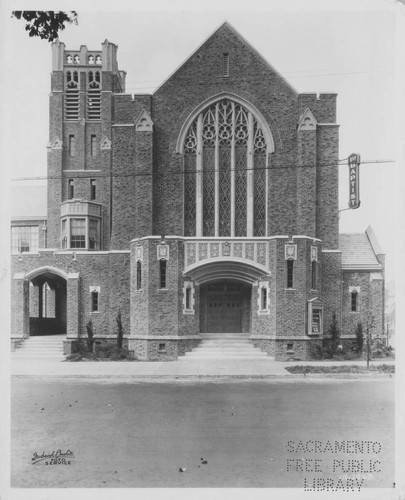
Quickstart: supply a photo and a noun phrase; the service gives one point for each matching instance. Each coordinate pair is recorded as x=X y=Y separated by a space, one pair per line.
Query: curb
x=207 y=378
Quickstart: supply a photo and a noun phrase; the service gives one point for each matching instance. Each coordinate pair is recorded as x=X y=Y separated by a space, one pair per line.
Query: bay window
x=80 y=225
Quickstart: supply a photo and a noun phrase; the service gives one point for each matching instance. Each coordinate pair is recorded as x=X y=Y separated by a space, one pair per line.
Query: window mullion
x=216 y=170
x=199 y=183
x=249 y=176
x=87 y=237
x=67 y=233
x=233 y=173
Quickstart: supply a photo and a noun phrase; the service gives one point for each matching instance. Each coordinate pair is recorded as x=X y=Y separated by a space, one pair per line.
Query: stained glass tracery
x=232 y=147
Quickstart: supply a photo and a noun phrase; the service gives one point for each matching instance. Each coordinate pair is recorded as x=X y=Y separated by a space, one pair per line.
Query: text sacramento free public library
x=350 y=446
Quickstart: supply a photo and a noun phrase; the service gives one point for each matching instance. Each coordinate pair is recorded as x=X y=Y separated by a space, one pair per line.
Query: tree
x=90 y=334
x=370 y=324
x=334 y=334
x=45 y=24
x=120 y=329
x=359 y=337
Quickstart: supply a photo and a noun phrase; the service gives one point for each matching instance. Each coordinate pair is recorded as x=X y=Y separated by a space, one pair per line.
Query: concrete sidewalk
x=183 y=369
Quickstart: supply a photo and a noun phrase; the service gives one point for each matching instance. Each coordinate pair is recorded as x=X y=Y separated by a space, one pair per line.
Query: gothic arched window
x=225 y=164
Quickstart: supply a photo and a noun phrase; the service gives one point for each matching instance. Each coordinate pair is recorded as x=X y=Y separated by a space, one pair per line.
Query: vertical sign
x=354 y=164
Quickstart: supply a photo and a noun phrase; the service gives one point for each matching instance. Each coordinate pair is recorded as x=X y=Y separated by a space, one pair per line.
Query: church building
x=209 y=207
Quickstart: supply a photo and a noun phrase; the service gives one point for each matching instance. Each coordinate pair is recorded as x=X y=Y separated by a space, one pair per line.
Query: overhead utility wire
x=95 y=175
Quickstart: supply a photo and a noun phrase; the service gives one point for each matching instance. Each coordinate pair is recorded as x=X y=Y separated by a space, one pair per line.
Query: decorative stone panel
x=214 y=249
x=203 y=251
x=233 y=249
x=163 y=252
x=250 y=251
x=291 y=251
x=190 y=247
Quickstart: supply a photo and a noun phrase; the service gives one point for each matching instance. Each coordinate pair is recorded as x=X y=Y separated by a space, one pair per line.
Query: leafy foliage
x=381 y=368
x=359 y=337
x=45 y=24
x=107 y=352
x=90 y=334
x=120 y=330
x=334 y=334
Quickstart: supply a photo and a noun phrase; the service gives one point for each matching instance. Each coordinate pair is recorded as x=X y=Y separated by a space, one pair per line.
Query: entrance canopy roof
x=226 y=270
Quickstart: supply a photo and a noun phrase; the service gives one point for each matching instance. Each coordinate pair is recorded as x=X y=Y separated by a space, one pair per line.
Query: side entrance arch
x=45 y=301
x=47 y=305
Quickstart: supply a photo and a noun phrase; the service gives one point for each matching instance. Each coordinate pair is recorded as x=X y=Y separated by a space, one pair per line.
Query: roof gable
x=226 y=39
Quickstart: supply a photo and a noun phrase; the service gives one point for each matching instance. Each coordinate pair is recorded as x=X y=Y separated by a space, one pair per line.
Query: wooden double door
x=224 y=312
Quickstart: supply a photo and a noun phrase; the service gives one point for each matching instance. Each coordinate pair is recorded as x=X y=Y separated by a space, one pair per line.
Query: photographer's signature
x=56 y=457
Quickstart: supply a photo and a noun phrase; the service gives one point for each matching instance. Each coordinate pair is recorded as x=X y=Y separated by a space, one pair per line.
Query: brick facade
x=124 y=170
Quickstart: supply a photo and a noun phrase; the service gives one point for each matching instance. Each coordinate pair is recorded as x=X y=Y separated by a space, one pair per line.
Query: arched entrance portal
x=47 y=304
x=225 y=307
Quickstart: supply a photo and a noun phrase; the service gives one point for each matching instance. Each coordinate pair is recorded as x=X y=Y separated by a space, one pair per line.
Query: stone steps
x=49 y=347
x=225 y=346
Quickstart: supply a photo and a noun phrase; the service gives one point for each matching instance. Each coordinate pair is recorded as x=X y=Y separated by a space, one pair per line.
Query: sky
x=347 y=47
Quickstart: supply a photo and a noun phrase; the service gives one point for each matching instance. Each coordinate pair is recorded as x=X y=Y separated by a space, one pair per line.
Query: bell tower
x=83 y=83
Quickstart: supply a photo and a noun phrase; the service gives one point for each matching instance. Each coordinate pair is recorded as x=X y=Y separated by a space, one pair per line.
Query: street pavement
x=223 y=434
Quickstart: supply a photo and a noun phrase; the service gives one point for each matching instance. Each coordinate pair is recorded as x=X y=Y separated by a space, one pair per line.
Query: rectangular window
x=93 y=188
x=94 y=301
x=138 y=275
x=77 y=233
x=226 y=64
x=162 y=347
x=290 y=346
x=354 y=301
x=313 y=276
x=163 y=269
x=94 y=234
x=72 y=145
x=93 y=146
x=264 y=298
x=188 y=298
x=71 y=189
x=64 y=234
x=290 y=273
x=24 y=239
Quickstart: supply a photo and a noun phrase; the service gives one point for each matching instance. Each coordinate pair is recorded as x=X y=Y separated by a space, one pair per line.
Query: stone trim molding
x=164 y=337
x=144 y=122
x=307 y=121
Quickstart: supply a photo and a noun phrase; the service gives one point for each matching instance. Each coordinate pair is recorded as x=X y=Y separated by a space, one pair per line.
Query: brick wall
x=109 y=271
